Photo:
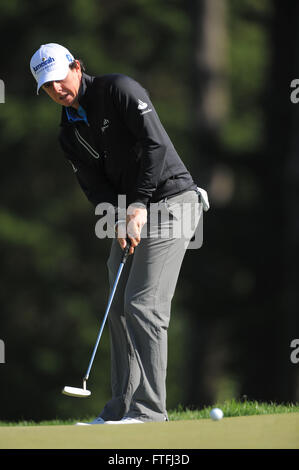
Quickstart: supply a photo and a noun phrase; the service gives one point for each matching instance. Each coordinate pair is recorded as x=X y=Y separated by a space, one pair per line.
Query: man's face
x=65 y=92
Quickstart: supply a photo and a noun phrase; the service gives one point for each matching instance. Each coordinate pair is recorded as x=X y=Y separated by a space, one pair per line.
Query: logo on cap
x=43 y=63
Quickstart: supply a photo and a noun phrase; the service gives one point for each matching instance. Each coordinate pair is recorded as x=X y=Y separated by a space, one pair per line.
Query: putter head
x=76 y=392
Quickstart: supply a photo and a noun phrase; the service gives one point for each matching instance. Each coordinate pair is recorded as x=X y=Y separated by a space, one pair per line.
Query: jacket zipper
x=86 y=145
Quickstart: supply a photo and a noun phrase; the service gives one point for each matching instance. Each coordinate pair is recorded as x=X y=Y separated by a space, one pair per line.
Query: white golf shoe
x=126 y=420
x=98 y=420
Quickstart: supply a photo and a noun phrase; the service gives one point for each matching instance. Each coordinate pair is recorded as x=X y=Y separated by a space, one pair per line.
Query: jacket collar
x=86 y=82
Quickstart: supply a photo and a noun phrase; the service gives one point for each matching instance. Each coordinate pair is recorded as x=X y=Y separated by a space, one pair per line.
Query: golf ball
x=216 y=414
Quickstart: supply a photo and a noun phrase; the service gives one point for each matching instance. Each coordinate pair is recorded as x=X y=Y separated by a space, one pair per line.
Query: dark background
x=219 y=74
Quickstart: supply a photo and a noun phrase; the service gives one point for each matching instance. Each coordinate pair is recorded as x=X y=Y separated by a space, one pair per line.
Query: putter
x=83 y=392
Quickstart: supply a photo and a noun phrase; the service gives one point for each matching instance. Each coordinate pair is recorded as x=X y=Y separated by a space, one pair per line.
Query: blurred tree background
x=219 y=73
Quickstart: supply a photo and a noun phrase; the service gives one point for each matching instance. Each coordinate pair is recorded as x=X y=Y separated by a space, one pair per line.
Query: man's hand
x=136 y=218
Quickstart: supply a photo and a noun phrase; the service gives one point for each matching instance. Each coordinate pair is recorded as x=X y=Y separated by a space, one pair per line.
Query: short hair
x=73 y=65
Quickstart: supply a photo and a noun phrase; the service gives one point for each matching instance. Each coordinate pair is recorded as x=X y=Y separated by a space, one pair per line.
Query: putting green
x=278 y=431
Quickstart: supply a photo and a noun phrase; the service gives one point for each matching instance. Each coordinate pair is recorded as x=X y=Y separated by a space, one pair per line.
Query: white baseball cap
x=50 y=63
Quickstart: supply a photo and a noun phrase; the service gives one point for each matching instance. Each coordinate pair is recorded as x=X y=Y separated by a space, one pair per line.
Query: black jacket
x=124 y=148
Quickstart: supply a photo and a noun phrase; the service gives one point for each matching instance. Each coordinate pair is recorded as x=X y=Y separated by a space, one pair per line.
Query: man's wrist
x=138 y=205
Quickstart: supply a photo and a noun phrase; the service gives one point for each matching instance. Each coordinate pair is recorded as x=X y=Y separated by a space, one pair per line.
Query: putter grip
x=126 y=251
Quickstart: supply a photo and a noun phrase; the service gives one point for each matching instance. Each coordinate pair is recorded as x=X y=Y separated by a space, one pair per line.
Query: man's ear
x=78 y=65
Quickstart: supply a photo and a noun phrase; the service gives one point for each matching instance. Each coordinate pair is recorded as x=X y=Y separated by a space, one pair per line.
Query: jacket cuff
x=141 y=199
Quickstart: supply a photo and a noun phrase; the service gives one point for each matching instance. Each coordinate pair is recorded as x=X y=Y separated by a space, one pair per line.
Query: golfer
x=116 y=144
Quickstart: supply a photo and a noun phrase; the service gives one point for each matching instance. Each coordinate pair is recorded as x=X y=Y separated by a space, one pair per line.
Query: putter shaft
x=123 y=261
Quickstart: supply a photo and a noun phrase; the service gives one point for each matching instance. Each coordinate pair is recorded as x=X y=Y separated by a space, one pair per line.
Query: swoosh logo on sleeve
x=142 y=105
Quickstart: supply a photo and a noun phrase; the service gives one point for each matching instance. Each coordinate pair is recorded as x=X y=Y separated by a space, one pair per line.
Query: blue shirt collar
x=74 y=115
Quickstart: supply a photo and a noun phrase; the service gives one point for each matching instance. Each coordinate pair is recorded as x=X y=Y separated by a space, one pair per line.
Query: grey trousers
x=140 y=313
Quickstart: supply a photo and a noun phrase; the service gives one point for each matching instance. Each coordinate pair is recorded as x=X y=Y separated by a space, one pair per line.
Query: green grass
x=246 y=424
x=230 y=408
x=267 y=431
